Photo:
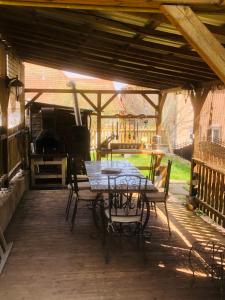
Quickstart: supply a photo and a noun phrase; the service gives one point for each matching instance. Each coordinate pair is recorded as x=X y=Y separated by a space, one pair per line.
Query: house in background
x=41 y=77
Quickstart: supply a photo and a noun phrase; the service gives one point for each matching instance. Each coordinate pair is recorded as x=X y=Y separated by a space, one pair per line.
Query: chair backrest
x=167 y=181
x=127 y=195
x=75 y=166
x=153 y=165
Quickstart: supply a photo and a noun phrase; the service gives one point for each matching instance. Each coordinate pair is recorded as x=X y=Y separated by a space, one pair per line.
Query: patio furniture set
x=118 y=194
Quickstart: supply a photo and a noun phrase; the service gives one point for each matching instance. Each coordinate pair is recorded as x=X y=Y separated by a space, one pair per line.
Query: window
x=214 y=133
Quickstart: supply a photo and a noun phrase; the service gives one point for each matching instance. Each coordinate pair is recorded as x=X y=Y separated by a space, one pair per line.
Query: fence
x=212 y=153
x=128 y=136
x=208 y=188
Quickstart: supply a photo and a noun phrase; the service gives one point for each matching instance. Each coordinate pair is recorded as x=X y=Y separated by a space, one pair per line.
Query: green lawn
x=180 y=167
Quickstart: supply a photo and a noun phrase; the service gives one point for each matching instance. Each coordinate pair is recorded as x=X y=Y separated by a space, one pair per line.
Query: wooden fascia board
x=197 y=34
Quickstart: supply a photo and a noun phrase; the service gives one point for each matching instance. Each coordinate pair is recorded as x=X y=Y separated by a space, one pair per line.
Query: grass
x=180 y=167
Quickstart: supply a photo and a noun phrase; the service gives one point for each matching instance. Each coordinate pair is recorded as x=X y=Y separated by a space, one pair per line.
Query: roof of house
x=43 y=77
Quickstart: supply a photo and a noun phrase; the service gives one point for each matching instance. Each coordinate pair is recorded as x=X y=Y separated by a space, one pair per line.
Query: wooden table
x=99 y=181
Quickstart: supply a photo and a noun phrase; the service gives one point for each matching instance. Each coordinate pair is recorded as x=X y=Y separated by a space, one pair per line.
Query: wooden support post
x=99 y=109
x=4 y=99
x=198 y=98
x=199 y=37
x=162 y=99
x=22 y=96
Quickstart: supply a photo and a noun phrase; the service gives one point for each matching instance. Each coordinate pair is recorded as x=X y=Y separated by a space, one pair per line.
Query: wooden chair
x=161 y=197
x=81 y=190
x=154 y=166
x=128 y=210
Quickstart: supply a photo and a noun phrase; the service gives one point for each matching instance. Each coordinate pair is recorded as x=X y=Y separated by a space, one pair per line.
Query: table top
x=99 y=181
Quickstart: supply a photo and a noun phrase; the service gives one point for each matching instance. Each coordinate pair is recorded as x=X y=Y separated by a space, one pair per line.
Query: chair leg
x=95 y=205
x=155 y=208
x=167 y=216
x=74 y=213
x=69 y=204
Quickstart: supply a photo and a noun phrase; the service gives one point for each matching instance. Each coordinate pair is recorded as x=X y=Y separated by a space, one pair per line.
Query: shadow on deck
x=49 y=262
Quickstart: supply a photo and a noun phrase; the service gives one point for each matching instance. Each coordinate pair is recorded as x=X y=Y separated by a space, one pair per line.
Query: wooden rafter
x=150 y=101
x=33 y=99
x=109 y=101
x=88 y=100
x=198 y=36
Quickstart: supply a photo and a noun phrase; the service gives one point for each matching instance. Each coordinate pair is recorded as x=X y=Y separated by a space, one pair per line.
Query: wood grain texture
x=197 y=34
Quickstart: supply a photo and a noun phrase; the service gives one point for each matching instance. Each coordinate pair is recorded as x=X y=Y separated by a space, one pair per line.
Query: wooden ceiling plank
x=198 y=36
x=148 y=68
x=123 y=70
x=114 y=38
x=87 y=70
x=141 y=55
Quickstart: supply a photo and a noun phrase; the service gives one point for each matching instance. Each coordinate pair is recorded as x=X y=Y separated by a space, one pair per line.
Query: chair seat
x=81 y=186
x=85 y=185
x=86 y=195
x=82 y=177
x=121 y=218
x=156 y=197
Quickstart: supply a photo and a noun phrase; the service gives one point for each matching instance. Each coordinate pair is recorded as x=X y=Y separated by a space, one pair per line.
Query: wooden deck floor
x=49 y=262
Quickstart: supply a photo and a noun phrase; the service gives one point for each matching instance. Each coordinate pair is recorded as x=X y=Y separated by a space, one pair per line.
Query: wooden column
x=99 y=112
x=4 y=99
x=162 y=99
x=199 y=37
x=22 y=96
x=198 y=98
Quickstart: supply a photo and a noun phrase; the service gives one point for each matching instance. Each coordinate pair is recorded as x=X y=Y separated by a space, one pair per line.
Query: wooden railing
x=208 y=189
x=1 y=155
x=128 y=136
x=15 y=151
x=12 y=153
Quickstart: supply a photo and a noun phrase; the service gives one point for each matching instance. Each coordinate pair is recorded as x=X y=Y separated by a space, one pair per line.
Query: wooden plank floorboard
x=49 y=262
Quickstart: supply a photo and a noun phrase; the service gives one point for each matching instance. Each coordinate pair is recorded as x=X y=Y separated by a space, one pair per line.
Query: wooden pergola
x=100 y=107
x=162 y=45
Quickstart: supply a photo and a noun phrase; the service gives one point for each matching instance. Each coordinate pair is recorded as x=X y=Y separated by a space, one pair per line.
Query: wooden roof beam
x=86 y=91
x=197 y=34
x=122 y=5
